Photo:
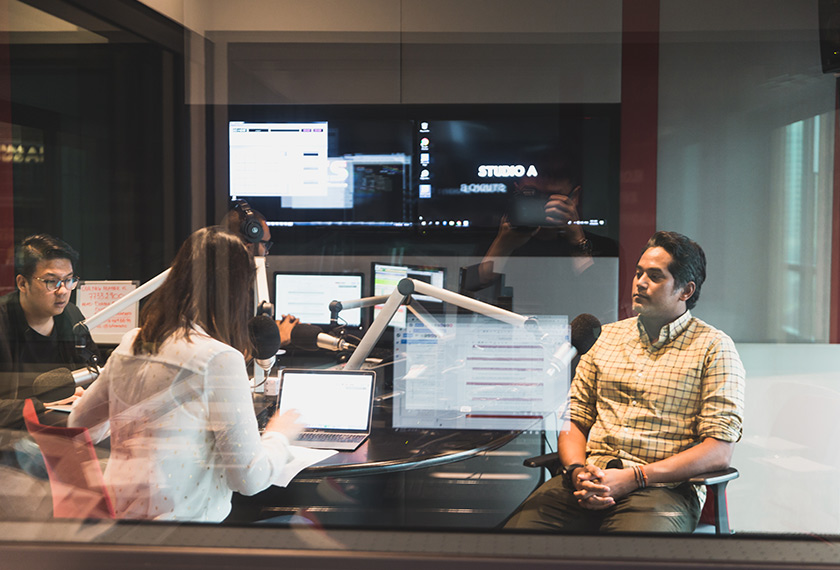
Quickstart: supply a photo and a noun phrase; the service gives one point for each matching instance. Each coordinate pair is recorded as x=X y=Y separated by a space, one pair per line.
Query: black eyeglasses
x=53 y=284
x=267 y=245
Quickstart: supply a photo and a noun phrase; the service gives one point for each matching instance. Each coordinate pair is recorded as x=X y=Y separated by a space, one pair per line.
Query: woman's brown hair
x=211 y=285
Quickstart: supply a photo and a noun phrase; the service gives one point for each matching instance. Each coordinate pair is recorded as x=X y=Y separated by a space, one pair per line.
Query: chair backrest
x=78 y=487
x=707 y=515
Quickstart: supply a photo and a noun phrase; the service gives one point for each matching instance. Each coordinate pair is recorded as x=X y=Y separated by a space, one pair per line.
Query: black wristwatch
x=568 y=470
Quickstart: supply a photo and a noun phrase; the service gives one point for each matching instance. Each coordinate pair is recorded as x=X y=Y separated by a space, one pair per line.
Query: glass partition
x=418 y=135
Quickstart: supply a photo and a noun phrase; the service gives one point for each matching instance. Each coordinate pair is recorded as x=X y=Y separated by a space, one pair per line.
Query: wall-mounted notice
x=93 y=296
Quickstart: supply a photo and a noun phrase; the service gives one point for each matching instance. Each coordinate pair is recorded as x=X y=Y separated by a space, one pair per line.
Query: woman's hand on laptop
x=288 y=423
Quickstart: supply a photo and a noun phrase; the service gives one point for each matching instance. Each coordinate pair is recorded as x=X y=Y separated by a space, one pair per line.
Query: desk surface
x=390 y=450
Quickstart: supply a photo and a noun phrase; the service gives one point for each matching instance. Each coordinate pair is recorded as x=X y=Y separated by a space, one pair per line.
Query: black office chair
x=715 y=512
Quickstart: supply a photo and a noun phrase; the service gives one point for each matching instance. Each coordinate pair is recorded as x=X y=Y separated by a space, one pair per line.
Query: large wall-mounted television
x=420 y=171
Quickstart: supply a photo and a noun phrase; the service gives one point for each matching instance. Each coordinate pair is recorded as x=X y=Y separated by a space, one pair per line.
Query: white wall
x=733 y=74
x=789 y=458
x=412 y=51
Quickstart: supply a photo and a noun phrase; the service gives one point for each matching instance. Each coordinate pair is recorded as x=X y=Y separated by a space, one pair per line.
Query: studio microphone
x=311 y=337
x=58 y=384
x=265 y=336
x=585 y=331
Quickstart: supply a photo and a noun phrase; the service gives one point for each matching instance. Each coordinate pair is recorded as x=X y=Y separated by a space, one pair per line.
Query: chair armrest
x=716 y=482
x=715 y=477
x=550 y=461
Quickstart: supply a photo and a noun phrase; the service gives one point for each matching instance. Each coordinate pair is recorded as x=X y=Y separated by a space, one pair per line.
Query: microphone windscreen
x=305 y=336
x=265 y=336
x=585 y=331
x=54 y=385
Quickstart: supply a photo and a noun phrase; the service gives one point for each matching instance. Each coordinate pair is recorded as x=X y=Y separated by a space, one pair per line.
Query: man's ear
x=20 y=281
x=688 y=291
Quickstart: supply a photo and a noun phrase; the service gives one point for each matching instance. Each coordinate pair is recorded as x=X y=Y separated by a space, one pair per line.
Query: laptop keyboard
x=330 y=437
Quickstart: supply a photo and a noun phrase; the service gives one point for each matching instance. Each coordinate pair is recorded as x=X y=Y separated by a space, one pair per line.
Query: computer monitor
x=475 y=372
x=308 y=296
x=387 y=275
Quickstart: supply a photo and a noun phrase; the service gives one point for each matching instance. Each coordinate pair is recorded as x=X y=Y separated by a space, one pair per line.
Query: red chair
x=78 y=487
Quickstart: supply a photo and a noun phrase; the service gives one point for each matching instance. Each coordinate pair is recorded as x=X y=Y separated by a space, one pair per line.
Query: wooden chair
x=76 y=481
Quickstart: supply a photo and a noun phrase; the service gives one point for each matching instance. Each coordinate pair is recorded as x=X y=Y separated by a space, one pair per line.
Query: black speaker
x=829 y=14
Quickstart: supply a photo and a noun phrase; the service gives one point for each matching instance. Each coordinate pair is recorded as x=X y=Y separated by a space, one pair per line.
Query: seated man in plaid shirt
x=658 y=399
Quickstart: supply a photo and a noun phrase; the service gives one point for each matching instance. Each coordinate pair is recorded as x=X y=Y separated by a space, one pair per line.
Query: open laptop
x=335 y=405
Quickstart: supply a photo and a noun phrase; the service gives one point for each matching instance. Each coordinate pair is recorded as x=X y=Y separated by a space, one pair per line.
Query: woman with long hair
x=176 y=392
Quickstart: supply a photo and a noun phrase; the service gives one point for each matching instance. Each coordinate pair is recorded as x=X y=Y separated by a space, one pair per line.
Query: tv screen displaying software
x=349 y=173
x=308 y=296
x=419 y=169
x=385 y=279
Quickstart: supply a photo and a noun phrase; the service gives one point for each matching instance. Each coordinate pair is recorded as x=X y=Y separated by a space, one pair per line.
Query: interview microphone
x=61 y=383
x=311 y=337
x=585 y=329
x=265 y=336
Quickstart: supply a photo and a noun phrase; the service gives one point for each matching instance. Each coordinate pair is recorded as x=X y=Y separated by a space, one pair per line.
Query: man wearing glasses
x=36 y=323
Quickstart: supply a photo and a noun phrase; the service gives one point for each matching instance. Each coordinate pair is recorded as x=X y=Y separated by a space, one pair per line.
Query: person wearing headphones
x=251 y=227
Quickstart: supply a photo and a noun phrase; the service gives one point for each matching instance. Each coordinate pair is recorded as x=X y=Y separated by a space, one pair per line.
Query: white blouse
x=183 y=430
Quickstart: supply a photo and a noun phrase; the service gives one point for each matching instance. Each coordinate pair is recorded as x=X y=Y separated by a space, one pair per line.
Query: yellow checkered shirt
x=643 y=401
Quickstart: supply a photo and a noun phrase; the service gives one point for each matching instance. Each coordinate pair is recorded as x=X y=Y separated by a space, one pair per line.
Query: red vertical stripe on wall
x=834 y=319
x=639 y=132
x=7 y=194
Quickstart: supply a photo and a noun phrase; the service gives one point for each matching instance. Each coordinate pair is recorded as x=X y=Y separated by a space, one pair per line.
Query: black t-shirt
x=39 y=353
x=24 y=354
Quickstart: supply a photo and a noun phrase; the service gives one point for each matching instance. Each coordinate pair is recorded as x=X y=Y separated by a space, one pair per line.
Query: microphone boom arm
x=403 y=290
x=263 y=305
x=83 y=328
x=338 y=306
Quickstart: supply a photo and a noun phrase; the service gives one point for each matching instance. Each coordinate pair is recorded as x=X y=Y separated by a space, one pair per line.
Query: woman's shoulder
x=204 y=352
x=196 y=338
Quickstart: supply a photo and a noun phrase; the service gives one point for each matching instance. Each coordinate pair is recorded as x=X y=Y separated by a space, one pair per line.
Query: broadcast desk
x=407 y=478
x=389 y=450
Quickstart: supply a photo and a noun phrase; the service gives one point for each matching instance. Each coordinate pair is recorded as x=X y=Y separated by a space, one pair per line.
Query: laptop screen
x=329 y=399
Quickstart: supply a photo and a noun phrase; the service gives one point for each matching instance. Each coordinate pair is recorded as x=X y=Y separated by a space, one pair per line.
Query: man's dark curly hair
x=688 y=261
